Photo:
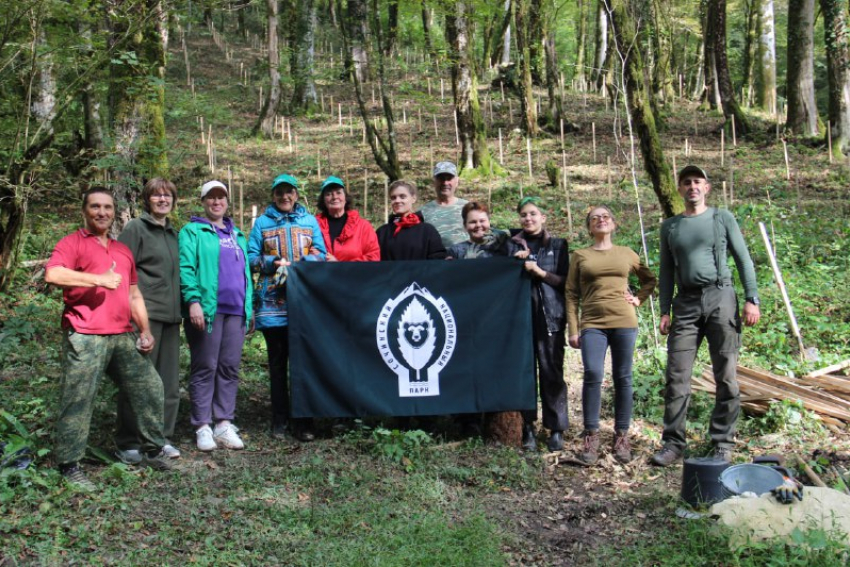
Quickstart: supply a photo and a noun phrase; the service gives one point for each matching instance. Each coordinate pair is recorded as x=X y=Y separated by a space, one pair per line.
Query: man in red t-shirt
x=98 y=278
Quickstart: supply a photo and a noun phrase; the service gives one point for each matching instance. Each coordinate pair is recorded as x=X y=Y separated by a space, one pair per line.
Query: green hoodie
x=199 y=252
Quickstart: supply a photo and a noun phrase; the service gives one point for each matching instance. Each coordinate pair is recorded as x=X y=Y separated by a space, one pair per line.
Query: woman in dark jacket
x=153 y=241
x=547 y=261
x=407 y=236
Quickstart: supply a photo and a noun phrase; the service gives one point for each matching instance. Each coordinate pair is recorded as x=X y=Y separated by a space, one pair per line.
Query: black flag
x=410 y=338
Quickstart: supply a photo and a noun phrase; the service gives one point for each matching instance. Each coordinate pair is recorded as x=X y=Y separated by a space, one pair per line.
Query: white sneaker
x=171 y=451
x=226 y=435
x=205 y=439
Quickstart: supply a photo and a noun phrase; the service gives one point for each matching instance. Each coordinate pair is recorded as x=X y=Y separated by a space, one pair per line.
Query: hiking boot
x=158 y=462
x=278 y=431
x=304 y=434
x=129 y=456
x=204 y=436
x=590 y=448
x=622 y=448
x=529 y=440
x=722 y=453
x=74 y=476
x=171 y=451
x=226 y=436
x=666 y=456
x=556 y=441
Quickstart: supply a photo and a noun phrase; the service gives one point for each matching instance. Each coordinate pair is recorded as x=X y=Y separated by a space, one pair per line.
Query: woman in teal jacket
x=285 y=233
x=215 y=283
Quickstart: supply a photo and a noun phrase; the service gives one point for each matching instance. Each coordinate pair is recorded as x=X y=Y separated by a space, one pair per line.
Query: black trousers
x=277 y=344
x=549 y=354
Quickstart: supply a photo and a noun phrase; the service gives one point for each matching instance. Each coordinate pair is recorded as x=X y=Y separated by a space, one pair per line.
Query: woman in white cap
x=348 y=236
x=285 y=233
x=215 y=284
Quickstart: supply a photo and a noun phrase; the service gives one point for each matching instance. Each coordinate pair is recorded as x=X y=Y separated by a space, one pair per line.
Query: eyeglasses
x=597 y=218
x=166 y=196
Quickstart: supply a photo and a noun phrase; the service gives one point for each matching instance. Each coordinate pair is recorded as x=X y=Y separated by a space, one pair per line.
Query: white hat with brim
x=210 y=185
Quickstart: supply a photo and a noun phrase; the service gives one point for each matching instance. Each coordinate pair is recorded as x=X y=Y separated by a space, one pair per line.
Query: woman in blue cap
x=285 y=233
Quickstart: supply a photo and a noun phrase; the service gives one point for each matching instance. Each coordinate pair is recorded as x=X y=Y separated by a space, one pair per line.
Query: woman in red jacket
x=349 y=237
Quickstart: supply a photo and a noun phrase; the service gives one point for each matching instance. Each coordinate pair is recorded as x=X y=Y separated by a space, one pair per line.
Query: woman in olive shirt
x=598 y=286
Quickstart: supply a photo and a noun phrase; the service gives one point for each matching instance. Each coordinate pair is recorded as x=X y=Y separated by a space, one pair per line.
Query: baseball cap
x=445 y=167
x=332 y=181
x=691 y=170
x=284 y=178
x=214 y=184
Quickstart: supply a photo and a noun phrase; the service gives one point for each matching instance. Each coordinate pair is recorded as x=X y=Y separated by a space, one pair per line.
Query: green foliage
x=402 y=447
x=788 y=417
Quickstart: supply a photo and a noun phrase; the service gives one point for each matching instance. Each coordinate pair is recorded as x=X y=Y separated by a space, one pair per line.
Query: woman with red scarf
x=407 y=236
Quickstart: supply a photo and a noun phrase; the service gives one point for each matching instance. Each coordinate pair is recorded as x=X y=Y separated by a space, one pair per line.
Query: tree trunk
x=766 y=57
x=304 y=95
x=529 y=107
x=534 y=39
x=731 y=109
x=750 y=44
x=835 y=22
x=639 y=108
x=506 y=38
x=268 y=115
x=426 y=30
x=556 y=105
x=662 y=74
x=383 y=148
x=601 y=52
x=137 y=108
x=581 y=40
x=392 y=27
x=712 y=83
x=473 y=135
x=800 y=89
x=355 y=25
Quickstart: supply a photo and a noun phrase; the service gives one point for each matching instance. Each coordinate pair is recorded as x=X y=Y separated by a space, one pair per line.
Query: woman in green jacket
x=216 y=288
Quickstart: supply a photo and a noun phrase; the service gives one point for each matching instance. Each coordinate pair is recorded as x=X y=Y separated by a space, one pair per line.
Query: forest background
x=578 y=101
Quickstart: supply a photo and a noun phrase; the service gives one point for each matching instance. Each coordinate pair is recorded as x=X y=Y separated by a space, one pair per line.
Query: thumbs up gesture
x=110 y=279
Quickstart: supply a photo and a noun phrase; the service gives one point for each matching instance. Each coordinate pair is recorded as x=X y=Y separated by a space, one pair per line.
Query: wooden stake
x=436 y=133
x=725 y=196
x=502 y=87
x=241 y=207
x=429 y=86
x=457 y=132
x=610 y=187
x=253 y=215
x=562 y=134
x=528 y=151
x=386 y=198
x=365 y=192
x=319 y=163
x=781 y=283
x=722 y=147
x=501 y=155
x=593 y=129
x=787 y=165
x=829 y=139
x=734 y=135
x=339 y=106
x=567 y=191
x=442 y=91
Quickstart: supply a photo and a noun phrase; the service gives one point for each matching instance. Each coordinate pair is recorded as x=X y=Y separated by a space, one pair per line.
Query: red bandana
x=410 y=219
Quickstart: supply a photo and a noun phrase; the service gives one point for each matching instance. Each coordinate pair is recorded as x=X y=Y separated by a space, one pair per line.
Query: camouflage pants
x=86 y=359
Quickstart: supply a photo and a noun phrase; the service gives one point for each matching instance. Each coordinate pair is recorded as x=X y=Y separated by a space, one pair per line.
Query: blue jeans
x=594 y=344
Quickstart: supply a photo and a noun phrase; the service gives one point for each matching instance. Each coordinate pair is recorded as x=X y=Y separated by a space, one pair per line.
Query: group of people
x=125 y=300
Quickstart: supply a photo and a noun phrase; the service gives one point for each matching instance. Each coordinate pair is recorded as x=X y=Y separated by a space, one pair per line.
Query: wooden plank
x=829 y=369
x=796 y=388
x=835 y=383
x=835 y=410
